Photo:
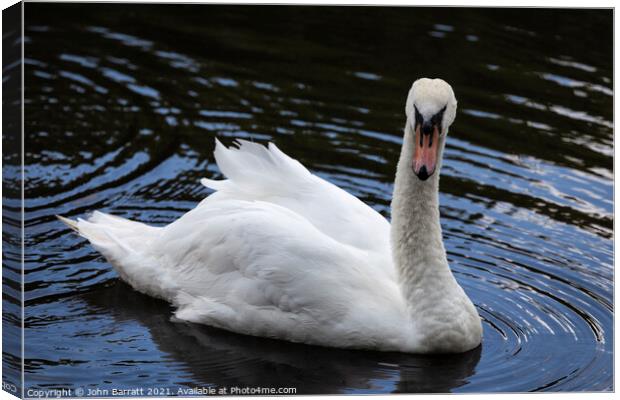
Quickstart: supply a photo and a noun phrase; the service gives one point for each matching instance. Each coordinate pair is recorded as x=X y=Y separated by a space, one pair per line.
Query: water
x=123 y=103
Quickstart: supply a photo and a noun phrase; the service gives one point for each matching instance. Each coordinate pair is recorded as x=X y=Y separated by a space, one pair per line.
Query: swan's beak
x=425 y=155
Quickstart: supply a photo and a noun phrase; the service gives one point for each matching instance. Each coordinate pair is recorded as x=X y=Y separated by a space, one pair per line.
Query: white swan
x=281 y=253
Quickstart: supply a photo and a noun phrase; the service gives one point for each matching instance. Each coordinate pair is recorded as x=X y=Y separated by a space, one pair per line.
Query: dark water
x=122 y=107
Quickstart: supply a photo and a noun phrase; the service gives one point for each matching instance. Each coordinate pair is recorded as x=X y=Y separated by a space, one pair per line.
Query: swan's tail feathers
x=69 y=222
x=114 y=237
x=252 y=167
x=128 y=246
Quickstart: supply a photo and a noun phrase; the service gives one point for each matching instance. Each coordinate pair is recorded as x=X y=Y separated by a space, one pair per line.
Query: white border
x=459 y=3
x=422 y=3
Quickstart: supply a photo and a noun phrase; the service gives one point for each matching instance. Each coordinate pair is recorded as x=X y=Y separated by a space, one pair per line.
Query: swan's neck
x=417 y=244
x=442 y=316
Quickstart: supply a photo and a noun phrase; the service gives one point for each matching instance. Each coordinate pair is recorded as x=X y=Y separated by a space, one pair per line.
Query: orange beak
x=425 y=154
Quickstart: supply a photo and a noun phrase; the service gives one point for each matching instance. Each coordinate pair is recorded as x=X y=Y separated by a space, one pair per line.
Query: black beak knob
x=427 y=128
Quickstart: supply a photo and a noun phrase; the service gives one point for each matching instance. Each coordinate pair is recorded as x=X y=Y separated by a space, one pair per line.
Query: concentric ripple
x=123 y=103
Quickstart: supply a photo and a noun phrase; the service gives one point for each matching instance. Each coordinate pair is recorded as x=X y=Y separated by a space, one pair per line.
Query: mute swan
x=279 y=252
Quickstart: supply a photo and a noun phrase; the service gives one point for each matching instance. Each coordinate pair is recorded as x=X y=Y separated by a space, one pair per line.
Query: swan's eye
x=418 y=117
x=437 y=118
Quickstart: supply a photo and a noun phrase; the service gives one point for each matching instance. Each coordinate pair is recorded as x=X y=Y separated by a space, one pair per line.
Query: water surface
x=123 y=103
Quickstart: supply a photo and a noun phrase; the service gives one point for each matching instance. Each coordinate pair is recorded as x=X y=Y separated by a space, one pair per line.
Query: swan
x=278 y=252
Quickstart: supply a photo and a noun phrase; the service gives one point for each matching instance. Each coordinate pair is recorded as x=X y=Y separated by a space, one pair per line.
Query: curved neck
x=417 y=244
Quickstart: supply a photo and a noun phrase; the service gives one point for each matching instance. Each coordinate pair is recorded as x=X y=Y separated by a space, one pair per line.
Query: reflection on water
x=123 y=103
x=212 y=355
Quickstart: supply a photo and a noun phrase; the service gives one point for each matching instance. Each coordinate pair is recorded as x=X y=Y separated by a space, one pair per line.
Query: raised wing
x=260 y=173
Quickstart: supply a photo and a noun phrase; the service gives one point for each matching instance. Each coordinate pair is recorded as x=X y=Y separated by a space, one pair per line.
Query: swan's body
x=279 y=252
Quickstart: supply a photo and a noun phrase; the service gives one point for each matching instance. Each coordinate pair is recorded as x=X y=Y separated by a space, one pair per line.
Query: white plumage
x=279 y=252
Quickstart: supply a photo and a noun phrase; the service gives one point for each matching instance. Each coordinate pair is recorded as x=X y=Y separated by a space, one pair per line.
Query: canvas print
x=291 y=200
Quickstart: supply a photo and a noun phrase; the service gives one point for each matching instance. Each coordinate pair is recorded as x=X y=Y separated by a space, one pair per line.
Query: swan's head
x=430 y=109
